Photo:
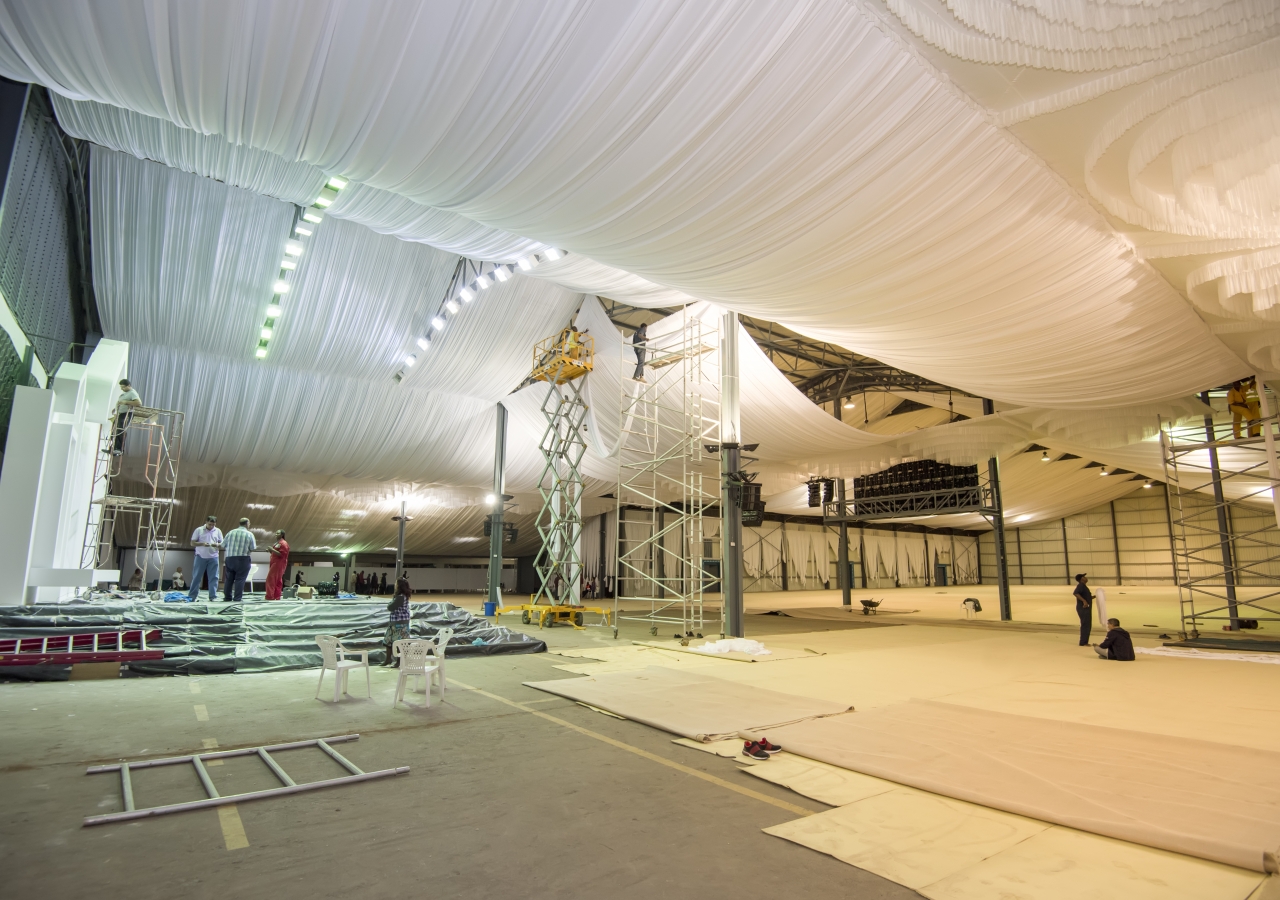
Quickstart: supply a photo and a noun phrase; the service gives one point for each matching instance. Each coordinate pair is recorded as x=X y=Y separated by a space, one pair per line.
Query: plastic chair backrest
x=329 y=648
x=442 y=641
x=416 y=655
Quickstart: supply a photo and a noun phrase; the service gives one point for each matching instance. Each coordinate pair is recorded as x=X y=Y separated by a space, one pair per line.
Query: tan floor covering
x=1042 y=675
x=1201 y=798
x=695 y=705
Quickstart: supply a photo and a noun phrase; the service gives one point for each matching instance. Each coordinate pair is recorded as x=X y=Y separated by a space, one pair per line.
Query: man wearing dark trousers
x=1117 y=644
x=1084 y=607
x=238 y=544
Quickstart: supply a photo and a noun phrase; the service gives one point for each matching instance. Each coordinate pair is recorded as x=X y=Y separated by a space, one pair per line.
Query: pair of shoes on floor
x=760 y=749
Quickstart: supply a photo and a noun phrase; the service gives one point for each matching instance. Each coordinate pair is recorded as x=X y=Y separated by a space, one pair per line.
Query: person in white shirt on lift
x=207 y=540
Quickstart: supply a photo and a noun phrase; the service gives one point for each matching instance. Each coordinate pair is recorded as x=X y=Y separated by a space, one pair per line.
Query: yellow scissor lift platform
x=546 y=614
x=561 y=359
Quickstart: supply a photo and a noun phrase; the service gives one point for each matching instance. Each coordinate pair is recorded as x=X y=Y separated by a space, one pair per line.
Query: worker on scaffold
x=1242 y=400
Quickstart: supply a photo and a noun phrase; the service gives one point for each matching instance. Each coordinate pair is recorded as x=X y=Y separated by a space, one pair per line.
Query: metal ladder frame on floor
x=215 y=799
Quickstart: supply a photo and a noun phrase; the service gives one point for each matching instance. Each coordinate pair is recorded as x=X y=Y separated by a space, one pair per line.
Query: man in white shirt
x=207 y=540
x=128 y=402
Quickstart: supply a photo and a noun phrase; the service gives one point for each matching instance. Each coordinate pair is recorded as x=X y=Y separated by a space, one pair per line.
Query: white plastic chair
x=442 y=647
x=335 y=658
x=415 y=660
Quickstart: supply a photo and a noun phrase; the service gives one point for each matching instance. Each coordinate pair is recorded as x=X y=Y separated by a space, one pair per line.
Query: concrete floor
x=498 y=803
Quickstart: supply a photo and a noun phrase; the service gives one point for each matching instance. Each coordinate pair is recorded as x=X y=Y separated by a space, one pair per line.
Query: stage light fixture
x=849 y=404
x=1103 y=472
x=524 y=263
x=1148 y=485
x=467 y=294
x=410 y=359
x=553 y=254
x=423 y=343
x=452 y=306
x=1044 y=457
x=489 y=498
x=437 y=323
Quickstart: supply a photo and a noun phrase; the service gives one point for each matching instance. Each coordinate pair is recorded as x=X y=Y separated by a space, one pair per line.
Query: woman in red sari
x=279 y=562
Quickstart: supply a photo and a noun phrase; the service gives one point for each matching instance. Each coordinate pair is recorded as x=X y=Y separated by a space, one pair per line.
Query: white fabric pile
x=735 y=645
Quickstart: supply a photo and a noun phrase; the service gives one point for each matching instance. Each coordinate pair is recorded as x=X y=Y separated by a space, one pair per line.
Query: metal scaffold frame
x=1223 y=516
x=147 y=513
x=666 y=481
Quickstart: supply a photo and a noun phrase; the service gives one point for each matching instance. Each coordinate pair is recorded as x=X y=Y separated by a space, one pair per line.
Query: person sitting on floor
x=135 y=583
x=179 y=582
x=1117 y=644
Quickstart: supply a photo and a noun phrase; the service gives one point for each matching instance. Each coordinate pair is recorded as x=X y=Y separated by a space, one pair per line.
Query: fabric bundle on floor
x=1203 y=799
x=691 y=705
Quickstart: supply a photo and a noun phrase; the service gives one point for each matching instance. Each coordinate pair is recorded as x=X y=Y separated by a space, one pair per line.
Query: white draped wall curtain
x=797 y=161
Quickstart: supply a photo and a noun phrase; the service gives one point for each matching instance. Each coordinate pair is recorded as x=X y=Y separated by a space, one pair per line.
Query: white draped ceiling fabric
x=817 y=164
x=797 y=161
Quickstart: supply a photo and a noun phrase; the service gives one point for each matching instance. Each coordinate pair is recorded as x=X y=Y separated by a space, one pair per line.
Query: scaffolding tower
x=1223 y=515
x=130 y=503
x=667 y=479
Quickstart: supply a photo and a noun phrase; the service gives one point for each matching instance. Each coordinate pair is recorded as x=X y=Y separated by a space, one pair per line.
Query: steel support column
x=846 y=598
x=1224 y=527
x=730 y=491
x=997 y=524
x=495 y=520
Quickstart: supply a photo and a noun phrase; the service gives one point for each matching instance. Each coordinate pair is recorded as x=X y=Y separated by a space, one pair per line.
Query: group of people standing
x=236 y=546
x=369 y=584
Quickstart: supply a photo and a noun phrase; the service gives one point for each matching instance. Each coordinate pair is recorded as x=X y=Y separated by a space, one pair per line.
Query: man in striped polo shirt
x=238 y=544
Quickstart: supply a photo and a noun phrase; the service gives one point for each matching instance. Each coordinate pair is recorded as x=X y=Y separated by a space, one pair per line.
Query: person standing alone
x=128 y=402
x=1084 y=607
x=640 y=343
x=207 y=539
x=279 y=562
x=239 y=543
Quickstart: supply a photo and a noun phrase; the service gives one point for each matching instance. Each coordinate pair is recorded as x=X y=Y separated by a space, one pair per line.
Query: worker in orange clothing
x=279 y=564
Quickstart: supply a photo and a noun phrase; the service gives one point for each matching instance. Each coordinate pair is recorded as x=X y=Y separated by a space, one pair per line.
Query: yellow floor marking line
x=211 y=744
x=232 y=828
x=195 y=686
x=202 y=714
x=653 y=757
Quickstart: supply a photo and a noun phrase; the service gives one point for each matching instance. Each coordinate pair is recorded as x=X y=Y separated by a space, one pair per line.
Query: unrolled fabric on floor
x=1214 y=801
x=689 y=704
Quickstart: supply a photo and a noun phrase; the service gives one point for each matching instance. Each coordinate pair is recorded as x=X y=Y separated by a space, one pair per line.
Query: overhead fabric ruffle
x=211 y=156
x=797 y=163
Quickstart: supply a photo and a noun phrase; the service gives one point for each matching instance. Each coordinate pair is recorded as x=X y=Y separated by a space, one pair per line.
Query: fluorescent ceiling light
x=288 y=264
x=423 y=343
x=266 y=334
x=322 y=202
x=337 y=183
x=437 y=323
x=452 y=306
x=467 y=294
x=281 y=287
x=523 y=263
x=410 y=359
x=501 y=273
x=483 y=283
x=1022 y=518
x=312 y=216
x=260 y=505
x=293 y=248
x=553 y=254
x=261 y=353
x=302 y=230
x=274 y=311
